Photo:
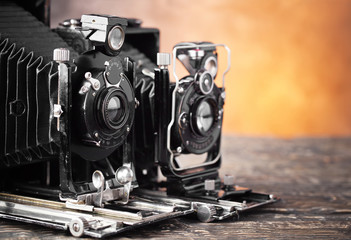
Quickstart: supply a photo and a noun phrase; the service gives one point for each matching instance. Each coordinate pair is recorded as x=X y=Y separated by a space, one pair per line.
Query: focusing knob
x=61 y=55
x=228 y=180
x=77 y=226
x=206 y=213
x=209 y=185
x=163 y=59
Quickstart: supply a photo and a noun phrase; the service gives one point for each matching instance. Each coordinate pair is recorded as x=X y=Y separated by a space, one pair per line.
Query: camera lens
x=115 y=109
x=205 y=81
x=204 y=117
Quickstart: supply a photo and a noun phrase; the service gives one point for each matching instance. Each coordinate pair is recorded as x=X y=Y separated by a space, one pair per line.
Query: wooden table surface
x=311 y=175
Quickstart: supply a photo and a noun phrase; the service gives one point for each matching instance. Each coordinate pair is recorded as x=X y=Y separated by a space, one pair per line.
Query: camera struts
x=85 y=133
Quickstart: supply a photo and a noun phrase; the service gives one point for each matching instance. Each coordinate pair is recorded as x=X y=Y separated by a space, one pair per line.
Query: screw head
x=96 y=85
x=179 y=149
x=87 y=75
x=57 y=110
x=84 y=89
x=76 y=227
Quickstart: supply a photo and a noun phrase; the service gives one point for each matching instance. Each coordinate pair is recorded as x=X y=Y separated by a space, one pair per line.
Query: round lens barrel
x=113 y=109
x=116 y=38
x=205 y=81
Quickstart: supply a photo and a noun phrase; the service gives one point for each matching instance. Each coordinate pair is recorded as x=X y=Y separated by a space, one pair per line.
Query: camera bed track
x=95 y=222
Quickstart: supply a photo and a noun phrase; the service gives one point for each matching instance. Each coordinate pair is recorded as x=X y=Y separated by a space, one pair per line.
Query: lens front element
x=115 y=109
x=204 y=117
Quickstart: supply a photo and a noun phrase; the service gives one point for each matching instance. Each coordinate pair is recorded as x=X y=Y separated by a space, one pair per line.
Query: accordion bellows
x=28 y=85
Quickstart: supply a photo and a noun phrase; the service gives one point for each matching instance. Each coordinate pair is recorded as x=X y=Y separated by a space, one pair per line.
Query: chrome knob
x=163 y=59
x=210 y=185
x=61 y=55
x=206 y=213
x=228 y=180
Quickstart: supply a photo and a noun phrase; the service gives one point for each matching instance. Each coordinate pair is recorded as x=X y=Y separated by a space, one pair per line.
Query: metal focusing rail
x=209 y=208
x=145 y=207
x=98 y=222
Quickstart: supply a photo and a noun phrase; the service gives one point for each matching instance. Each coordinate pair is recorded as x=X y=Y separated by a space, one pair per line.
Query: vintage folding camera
x=67 y=127
x=90 y=121
x=186 y=120
x=78 y=120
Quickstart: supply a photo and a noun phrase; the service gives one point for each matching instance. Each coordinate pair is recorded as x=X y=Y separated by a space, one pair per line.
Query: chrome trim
x=212 y=58
x=109 y=37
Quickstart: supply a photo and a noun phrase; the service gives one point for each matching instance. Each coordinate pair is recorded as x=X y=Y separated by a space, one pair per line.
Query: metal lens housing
x=114 y=108
x=115 y=38
x=211 y=66
x=124 y=175
x=205 y=81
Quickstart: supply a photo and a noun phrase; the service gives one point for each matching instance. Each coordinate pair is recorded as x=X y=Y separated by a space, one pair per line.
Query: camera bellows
x=25 y=84
x=28 y=85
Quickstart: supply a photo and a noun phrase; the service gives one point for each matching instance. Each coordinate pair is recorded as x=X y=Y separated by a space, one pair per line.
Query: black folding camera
x=89 y=117
x=78 y=118
x=195 y=122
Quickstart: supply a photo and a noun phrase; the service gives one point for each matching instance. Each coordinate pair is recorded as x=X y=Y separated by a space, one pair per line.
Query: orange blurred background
x=291 y=60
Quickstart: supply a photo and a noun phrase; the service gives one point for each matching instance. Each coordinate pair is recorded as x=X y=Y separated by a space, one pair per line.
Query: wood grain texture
x=311 y=175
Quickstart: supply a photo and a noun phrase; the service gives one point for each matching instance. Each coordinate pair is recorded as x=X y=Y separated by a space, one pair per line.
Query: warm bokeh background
x=291 y=60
